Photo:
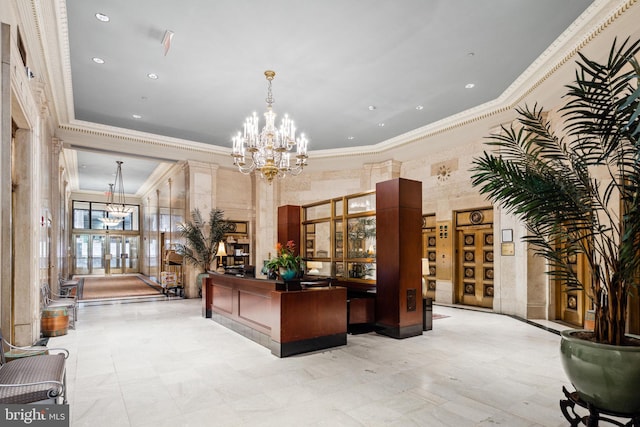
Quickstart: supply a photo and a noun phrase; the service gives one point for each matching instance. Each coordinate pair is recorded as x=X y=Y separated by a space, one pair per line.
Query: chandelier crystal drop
x=269 y=150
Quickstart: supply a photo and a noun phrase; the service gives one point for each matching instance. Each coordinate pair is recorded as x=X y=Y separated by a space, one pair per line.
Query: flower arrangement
x=285 y=257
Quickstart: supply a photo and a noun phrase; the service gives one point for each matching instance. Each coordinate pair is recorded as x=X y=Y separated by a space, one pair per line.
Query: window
x=86 y=216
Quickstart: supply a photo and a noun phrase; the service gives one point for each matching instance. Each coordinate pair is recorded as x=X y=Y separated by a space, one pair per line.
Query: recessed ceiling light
x=137 y=116
x=469 y=85
x=102 y=17
x=152 y=76
x=372 y=107
x=351 y=137
x=97 y=60
x=419 y=107
x=381 y=124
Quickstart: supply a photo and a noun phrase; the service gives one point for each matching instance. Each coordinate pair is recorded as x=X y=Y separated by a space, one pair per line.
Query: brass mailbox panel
x=444 y=250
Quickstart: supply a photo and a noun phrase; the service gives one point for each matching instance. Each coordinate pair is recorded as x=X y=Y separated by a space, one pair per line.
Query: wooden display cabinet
x=237 y=245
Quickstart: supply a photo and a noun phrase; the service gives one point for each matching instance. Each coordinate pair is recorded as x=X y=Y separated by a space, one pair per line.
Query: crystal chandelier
x=269 y=149
x=117 y=208
x=110 y=221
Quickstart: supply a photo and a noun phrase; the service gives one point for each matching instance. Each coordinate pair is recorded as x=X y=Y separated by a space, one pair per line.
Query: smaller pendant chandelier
x=117 y=208
x=269 y=149
x=110 y=221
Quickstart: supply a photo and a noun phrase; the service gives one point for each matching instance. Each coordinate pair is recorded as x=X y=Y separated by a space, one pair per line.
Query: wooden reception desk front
x=286 y=322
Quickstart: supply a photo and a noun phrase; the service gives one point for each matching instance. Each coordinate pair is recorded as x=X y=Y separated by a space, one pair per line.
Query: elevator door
x=474 y=258
x=429 y=253
x=572 y=303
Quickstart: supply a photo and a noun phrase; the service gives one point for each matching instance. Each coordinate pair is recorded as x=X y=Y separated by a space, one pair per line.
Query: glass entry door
x=81 y=254
x=130 y=258
x=123 y=251
x=88 y=253
x=105 y=253
x=115 y=251
x=96 y=259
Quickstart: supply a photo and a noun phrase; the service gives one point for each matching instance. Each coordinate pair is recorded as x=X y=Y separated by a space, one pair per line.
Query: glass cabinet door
x=361 y=237
x=339 y=237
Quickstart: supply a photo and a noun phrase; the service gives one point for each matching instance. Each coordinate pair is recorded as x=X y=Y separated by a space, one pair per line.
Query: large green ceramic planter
x=607 y=376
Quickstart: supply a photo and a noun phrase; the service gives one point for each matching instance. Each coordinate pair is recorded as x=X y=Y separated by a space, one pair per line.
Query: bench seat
x=34 y=379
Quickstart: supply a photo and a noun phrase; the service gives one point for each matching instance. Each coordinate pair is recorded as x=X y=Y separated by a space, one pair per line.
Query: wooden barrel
x=54 y=321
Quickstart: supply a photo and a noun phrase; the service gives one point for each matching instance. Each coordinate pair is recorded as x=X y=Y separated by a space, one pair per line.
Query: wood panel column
x=289 y=225
x=399 y=248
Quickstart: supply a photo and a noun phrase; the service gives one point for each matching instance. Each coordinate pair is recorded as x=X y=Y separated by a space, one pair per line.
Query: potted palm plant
x=576 y=187
x=202 y=240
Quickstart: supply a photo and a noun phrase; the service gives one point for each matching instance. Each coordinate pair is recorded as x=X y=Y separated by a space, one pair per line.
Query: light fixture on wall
x=117 y=208
x=269 y=149
x=110 y=221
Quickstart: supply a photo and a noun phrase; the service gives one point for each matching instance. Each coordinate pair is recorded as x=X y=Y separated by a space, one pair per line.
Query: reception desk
x=286 y=322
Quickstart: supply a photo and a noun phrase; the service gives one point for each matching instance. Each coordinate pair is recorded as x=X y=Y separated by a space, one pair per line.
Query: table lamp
x=222 y=251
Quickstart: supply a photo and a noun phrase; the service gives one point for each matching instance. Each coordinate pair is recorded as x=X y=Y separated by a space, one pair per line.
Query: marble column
x=57 y=241
x=266 y=235
x=6 y=256
x=373 y=173
x=26 y=226
x=201 y=193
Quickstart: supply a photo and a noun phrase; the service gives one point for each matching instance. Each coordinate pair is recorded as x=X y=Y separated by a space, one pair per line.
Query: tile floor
x=162 y=364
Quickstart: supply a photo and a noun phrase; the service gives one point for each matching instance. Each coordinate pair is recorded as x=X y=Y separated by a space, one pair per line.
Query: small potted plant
x=286 y=263
x=576 y=187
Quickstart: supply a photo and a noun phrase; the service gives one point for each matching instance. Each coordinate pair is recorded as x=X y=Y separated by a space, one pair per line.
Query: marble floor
x=160 y=363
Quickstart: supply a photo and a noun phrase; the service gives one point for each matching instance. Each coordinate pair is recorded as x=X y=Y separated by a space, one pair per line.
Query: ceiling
x=350 y=72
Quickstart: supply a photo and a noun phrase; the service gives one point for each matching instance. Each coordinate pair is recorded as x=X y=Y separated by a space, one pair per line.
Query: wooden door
x=429 y=253
x=474 y=258
x=572 y=304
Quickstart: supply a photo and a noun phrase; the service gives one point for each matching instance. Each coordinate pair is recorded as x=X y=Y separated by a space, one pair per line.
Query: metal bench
x=40 y=378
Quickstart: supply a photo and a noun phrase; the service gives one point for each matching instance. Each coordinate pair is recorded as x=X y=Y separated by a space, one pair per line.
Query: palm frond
x=202 y=238
x=551 y=185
